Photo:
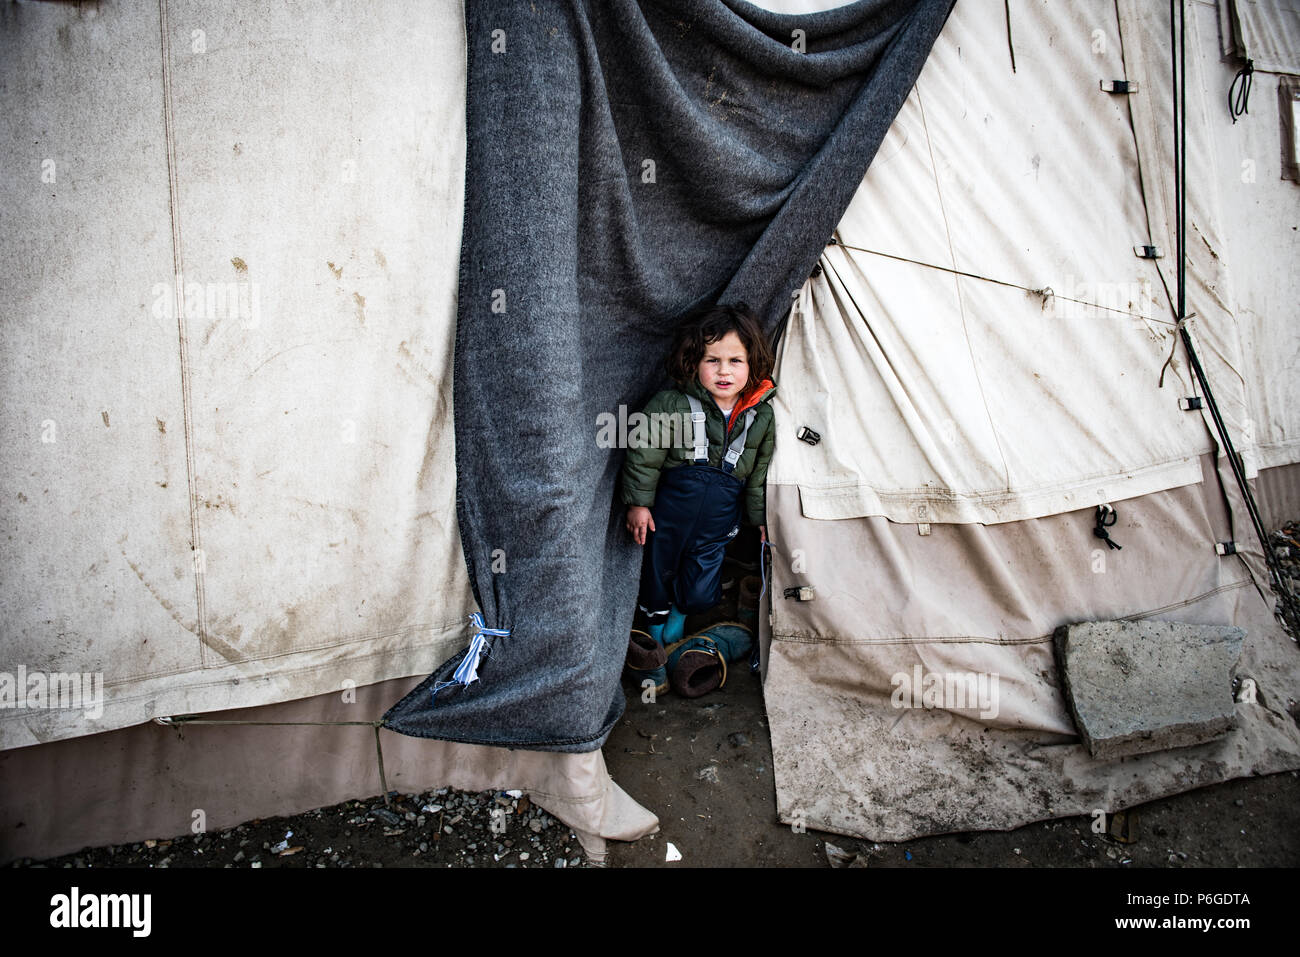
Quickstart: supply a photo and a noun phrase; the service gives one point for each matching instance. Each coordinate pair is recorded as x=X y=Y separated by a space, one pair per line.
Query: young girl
x=687 y=498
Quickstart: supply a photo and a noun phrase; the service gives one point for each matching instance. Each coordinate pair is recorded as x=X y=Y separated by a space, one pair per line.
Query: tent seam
x=173 y=191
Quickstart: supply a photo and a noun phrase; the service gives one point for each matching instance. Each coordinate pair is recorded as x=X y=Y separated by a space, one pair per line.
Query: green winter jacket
x=656 y=449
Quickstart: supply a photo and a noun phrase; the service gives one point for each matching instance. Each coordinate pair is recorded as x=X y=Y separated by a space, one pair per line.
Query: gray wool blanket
x=625 y=162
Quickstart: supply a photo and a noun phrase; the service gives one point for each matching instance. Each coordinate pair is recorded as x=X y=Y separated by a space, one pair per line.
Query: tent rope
x=1239 y=103
x=1104 y=512
x=1045 y=292
x=1006 y=7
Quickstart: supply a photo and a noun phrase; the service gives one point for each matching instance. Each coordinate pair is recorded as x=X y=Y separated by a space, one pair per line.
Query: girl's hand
x=638 y=520
x=762 y=533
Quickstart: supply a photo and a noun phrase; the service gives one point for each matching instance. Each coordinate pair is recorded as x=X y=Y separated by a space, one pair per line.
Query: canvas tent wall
x=982 y=353
x=227 y=337
x=297 y=628
x=310 y=419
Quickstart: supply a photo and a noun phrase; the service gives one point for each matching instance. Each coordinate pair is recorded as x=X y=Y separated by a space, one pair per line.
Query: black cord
x=1239 y=102
x=1104 y=512
x=1006 y=6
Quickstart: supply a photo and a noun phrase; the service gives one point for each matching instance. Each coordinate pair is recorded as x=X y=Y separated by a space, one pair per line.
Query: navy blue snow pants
x=697 y=511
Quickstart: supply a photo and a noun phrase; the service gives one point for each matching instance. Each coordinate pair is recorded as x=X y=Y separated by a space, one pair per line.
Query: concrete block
x=1141 y=686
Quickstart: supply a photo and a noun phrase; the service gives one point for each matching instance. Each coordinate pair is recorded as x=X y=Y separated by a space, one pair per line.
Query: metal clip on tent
x=1119 y=86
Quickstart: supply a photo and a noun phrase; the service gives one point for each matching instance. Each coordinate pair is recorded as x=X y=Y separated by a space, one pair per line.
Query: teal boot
x=698 y=664
x=674 y=628
x=670 y=629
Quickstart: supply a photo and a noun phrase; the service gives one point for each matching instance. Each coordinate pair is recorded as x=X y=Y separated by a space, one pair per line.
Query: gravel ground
x=442 y=828
x=1286 y=548
x=723 y=821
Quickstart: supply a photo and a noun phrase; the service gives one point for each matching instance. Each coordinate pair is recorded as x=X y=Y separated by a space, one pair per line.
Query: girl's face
x=724 y=370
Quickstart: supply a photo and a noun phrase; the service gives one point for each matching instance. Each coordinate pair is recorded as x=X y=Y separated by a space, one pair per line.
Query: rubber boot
x=698 y=664
x=674 y=627
x=646 y=658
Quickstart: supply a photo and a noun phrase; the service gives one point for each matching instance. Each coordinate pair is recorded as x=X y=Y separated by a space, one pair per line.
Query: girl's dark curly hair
x=705 y=327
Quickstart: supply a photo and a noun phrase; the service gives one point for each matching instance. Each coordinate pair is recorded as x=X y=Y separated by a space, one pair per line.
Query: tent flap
x=1264 y=31
x=624 y=162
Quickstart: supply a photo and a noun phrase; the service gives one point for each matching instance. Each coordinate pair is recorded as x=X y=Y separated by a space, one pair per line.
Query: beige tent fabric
x=995 y=591
x=1266 y=31
x=1243 y=388
x=225 y=383
x=1260 y=215
x=943 y=399
x=225 y=393
x=982 y=345
x=1209 y=279
x=229 y=421
x=851 y=764
x=982 y=601
x=1278 y=493
x=147 y=781
x=919 y=371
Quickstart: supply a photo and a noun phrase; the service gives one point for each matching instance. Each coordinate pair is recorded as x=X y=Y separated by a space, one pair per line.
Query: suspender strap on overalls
x=700 y=439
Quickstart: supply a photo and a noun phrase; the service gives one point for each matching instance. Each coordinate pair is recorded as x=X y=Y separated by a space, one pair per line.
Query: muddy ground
x=668 y=757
